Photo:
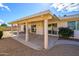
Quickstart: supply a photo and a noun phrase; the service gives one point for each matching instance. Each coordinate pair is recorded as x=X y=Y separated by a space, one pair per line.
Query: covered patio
x=35 y=32
x=36 y=41
x=38 y=36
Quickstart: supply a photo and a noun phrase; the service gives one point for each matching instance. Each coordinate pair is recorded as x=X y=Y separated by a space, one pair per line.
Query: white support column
x=26 y=35
x=46 y=34
x=17 y=30
x=11 y=28
x=22 y=28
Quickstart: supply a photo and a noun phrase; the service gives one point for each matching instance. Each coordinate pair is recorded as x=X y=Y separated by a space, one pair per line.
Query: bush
x=65 y=32
x=4 y=25
x=1 y=34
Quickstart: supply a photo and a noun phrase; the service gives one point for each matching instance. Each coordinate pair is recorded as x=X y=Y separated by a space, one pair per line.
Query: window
x=77 y=25
x=33 y=28
x=72 y=25
x=52 y=28
x=49 y=28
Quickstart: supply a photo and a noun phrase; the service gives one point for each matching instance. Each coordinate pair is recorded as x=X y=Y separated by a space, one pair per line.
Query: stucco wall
x=59 y=23
x=76 y=34
x=22 y=28
x=62 y=24
x=39 y=27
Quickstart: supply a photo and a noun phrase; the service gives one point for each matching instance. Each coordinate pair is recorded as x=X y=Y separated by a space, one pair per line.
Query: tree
x=4 y=25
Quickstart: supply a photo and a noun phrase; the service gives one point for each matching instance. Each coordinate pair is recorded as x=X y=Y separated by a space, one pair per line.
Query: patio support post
x=11 y=28
x=46 y=34
x=17 y=30
x=26 y=35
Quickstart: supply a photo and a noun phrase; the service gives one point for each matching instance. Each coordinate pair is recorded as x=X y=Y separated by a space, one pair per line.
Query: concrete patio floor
x=37 y=41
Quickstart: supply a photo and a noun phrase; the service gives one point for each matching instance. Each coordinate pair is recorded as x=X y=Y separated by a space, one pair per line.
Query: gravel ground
x=11 y=47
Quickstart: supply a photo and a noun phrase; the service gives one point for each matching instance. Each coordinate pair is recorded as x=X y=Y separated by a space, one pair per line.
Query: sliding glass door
x=33 y=28
x=52 y=28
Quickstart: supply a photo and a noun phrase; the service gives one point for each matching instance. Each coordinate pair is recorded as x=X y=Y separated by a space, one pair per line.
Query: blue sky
x=12 y=11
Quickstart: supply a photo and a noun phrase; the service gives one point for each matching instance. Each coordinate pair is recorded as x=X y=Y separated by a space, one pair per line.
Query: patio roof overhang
x=36 y=17
x=70 y=19
x=74 y=17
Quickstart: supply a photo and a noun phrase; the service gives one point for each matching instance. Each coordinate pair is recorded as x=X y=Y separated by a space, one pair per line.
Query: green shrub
x=65 y=32
x=4 y=25
x=1 y=34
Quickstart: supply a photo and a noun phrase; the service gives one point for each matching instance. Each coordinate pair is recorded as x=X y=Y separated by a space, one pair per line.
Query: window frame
x=75 y=25
x=33 y=28
x=51 y=31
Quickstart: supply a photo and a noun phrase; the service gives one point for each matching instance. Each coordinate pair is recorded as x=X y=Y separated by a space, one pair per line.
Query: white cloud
x=1 y=21
x=66 y=6
x=58 y=6
x=4 y=6
x=73 y=8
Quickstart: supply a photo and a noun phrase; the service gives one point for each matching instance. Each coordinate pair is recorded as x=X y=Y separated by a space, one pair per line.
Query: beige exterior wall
x=22 y=28
x=39 y=27
x=62 y=24
x=59 y=23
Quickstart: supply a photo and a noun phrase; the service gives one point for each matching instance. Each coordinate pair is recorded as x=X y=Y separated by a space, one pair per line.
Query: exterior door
x=52 y=28
x=33 y=28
